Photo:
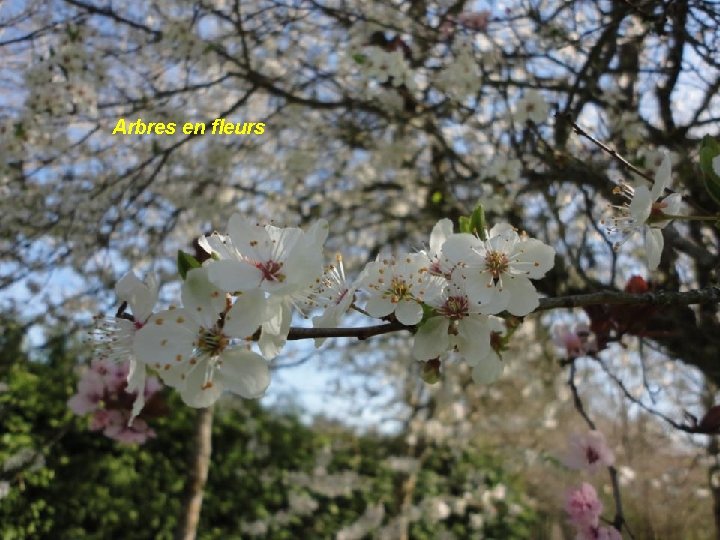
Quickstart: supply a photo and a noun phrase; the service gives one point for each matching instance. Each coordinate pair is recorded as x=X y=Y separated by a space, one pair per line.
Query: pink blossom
x=99 y=420
x=598 y=533
x=578 y=342
x=588 y=452
x=117 y=428
x=111 y=373
x=101 y=391
x=583 y=507
x=91 y=389
x=152 y=385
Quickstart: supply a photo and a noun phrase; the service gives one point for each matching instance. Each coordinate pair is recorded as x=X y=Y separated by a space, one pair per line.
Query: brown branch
x=708 y=295
x=197 y=477
x=362 y=332
x=580 y=131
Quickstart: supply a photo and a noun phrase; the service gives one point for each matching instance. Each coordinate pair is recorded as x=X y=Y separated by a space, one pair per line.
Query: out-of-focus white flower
x=302 y=504
x=533 y=107
x=505 y=169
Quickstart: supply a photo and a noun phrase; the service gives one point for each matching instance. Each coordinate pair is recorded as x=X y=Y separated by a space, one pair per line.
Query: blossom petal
x=247 y=314
x=234 y=275
x=168 y=337
x=408 y=312
x=219 y=244
x=317 y=233
x=136 y=383
x=522 y=296
x=275 y=329
x=141 y=296
x=473 y=338
x=249 y=238
x=441 y=231
x=462 y=248
x=654 y=243
x=490 y=296
x=244 y=372
x=536 y=258
x=127 y=285
x=173 y=375
x=663 y=178
x=431 y=339
x=488 y=370
x=641 y=204
x=379 y=306
x=672 y=204
x=203 y=300
x=199 y=392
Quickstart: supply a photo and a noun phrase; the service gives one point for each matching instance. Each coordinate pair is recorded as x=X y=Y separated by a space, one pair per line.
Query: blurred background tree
x=381 y=149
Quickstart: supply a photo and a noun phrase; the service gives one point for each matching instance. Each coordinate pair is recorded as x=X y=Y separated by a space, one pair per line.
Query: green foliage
x=474 y=223
x=68 y=482
x=185 y=263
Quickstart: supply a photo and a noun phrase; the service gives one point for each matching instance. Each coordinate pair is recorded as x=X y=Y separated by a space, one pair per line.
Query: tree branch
x=708 y=295
x=197 y=477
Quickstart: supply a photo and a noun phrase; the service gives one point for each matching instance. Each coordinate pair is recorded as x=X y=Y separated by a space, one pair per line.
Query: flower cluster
x=103 y=393
x=584 y=509
x=588 y=452
x=256 y=275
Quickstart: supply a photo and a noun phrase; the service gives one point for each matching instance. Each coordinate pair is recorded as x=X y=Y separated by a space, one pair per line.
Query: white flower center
x=211 y=342
x=455 y=307
x=398 y=290
x=496 y=262
x=271 y=270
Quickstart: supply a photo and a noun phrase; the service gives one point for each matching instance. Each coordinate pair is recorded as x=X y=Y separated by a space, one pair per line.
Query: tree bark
x=199 y=464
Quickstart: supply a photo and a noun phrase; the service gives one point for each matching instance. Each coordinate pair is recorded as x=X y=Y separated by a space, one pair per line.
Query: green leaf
x=428 y=312
x=709 y=150
x=477 y=222
x=185 y=263
x=359 y=58
x=437 y=197
x=464 y=224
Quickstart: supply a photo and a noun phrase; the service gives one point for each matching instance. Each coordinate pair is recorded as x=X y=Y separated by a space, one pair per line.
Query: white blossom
x=533 y=107
x=399 y=286
x=496 y=272
x=115 y=336
x=191 y=347
x=645 y=210
x=460 y=326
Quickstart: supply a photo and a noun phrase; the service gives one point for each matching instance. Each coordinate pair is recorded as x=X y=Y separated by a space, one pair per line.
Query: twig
x=610 y=151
